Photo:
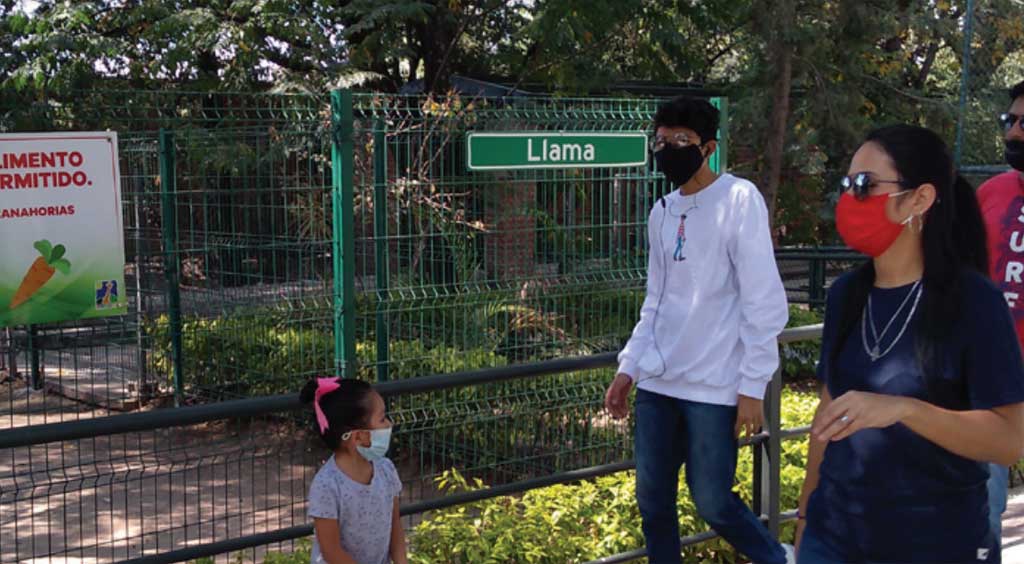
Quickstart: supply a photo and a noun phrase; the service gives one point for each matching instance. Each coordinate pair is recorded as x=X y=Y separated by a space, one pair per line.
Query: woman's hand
x=854 y=411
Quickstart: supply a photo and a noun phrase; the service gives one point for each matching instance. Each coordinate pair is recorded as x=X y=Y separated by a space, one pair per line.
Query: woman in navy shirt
x=922 y=373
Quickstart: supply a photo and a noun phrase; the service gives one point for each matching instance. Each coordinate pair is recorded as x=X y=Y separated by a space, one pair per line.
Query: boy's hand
x=616 y=399
x=749 y=416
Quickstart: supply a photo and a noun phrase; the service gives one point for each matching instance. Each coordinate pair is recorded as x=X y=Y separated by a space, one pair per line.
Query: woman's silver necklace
x=868 y=317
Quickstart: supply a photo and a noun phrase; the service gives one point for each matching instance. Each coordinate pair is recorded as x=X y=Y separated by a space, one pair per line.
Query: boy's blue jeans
x=671 y=432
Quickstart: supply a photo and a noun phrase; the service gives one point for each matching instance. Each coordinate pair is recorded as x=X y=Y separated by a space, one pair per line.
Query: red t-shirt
x=1002 y=205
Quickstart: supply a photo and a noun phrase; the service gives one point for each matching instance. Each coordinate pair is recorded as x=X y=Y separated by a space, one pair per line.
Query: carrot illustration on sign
x=51 y=259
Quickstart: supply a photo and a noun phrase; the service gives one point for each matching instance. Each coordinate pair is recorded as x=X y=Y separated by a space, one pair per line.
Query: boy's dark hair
x=1017 y=91
x=695 y=113
x=347 y=408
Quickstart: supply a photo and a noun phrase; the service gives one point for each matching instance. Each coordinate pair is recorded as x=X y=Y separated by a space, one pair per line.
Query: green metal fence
x=458 y=270
x=270 y=239
x=991 y=62
x=503 y=266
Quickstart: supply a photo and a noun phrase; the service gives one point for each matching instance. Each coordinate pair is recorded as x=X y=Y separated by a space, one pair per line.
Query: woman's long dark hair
x=953 y=240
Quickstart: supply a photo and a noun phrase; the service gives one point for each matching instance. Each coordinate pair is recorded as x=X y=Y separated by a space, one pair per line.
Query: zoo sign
x=542 y=149
x=62 y=251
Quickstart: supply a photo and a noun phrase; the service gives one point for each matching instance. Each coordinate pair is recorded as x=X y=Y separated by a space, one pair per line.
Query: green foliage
x=585 y=521
x=301 y=554
x=413 y=359
x=540 y=323
x=241 y=354
x=800 y=359
x=260 y=353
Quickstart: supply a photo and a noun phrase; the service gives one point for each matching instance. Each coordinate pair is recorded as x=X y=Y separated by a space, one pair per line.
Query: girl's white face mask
x=380 y=440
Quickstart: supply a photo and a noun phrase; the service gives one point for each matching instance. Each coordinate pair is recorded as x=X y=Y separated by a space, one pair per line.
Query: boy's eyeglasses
x=679 y=140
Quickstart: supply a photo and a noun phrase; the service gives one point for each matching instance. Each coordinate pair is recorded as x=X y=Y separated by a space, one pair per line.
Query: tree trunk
x=437 y=37
x=780 y=56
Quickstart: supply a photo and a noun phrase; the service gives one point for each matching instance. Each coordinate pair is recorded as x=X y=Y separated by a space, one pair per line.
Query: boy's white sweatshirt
x=709 y=323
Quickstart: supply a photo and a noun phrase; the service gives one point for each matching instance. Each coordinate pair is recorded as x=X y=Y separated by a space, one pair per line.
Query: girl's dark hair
x=695 y=113
x=953 y=239
x=346 y=408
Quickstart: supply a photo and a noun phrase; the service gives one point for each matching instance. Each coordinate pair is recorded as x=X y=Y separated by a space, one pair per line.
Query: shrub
x=261 y=355
x=799 y=360
x=585 y=521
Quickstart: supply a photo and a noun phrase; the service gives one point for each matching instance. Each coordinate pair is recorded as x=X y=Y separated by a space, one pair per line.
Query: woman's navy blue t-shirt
x=891 y=495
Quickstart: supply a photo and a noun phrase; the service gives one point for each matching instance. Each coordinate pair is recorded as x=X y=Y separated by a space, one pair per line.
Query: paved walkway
x=1013 y=528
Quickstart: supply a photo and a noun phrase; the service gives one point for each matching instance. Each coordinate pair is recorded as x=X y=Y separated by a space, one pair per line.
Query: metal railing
x=766 y=445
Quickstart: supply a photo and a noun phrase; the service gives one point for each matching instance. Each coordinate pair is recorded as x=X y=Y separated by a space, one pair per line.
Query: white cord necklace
x=875 y=352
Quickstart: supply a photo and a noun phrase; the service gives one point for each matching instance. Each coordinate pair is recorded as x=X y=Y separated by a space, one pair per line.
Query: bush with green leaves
x=799 y=360
x=260 y=354
x=588 y=520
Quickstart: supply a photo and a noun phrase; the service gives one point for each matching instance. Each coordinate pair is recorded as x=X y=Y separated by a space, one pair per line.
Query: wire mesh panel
x=226 y=206
x=232 y=191
x=252 y=249
x=501 y=266
x=991 y=62
x=461 y=270
x=231 y=233
x=116 y=497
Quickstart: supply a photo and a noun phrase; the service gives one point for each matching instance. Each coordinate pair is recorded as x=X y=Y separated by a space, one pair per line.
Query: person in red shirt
x=1002 y=205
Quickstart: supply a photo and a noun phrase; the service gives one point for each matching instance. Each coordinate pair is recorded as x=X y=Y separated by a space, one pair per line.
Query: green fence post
x=168 y=191
x=965 y=75
x=380 y=234
x=720 y=160
x=343 y=255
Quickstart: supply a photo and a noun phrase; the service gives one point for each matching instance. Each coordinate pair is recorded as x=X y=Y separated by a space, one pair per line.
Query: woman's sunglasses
x=1009 y=120
x=860 y=185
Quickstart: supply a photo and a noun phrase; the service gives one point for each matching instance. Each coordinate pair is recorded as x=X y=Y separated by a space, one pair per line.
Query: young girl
x=922 y=373
x=354 y=497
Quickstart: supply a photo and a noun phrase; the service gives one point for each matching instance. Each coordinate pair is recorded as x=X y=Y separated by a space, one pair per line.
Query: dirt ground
x=109 y=498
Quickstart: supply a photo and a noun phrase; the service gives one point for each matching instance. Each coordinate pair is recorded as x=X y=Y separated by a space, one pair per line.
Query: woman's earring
x=915 y=222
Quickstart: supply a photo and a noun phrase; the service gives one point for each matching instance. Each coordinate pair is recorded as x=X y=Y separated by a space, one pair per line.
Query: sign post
x=62 y=256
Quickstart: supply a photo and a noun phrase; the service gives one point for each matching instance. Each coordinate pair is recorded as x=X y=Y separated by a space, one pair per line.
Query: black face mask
x=679 y=165
x=1015 y=154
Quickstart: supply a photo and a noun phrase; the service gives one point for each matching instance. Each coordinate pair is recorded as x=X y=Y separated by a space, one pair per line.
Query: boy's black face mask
x=1014 y=154
x=679 y=165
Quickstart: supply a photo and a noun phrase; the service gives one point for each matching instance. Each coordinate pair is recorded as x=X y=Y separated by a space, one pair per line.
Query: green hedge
x=800 y=359
x=260 y=351
x=250 y=355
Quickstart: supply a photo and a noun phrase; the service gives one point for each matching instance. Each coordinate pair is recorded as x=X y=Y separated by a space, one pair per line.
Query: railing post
x=768 y=472
x=757 y=505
